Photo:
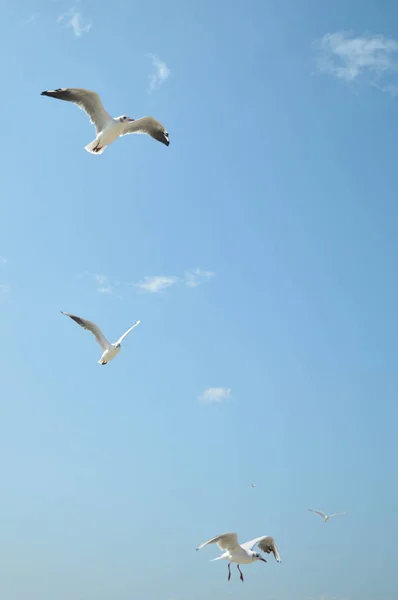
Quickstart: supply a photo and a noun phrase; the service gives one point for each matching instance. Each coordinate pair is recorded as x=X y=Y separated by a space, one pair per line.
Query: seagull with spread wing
x=108 y=129
x=109 y=350
x=326 y=517
x=242 y=554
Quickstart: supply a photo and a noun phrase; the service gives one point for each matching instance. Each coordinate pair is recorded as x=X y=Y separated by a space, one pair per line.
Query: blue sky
x=259 y=251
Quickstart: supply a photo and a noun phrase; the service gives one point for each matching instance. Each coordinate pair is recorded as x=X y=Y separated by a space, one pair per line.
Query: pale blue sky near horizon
x=271 y=223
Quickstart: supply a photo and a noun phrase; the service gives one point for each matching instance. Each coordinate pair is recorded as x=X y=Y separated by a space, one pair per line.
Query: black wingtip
x=51 y=93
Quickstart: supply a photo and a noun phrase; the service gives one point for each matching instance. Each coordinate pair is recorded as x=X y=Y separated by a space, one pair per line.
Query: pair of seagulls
x=108 y=129
x=109 y=350
x=242 y=554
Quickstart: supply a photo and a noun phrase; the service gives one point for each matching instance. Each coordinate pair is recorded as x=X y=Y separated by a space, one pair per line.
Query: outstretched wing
x=93 y=328
x=336 y=515
x=225 y=541
x=149 y=126
x=266 y=543
x=318 y=512
x=127 y=332
x=88 y=101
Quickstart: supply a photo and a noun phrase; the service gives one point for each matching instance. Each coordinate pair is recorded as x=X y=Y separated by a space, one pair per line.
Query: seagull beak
x=130 y=119
x=263 y=559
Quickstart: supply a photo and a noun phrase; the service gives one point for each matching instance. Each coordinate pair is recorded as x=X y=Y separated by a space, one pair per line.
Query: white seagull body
x=108 y=129
x=242 y=554
x=109 y=350
x=325 y=517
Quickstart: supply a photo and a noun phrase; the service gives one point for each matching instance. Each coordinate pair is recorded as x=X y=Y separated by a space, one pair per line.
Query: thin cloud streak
x=195 y=277
x=31 y=19
x=156 y=283
x=75 y=21
x=215 y=395
x=160 y=73
x=103 y=284
x=152 y=284
x=369 y=57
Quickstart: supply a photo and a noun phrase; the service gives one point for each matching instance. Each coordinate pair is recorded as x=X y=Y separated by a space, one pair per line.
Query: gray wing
x=148 y=126
x=336 y=515
x=93 y=328
x=127 y=332
x=225 y=541
x=88 y=101
x=266 y=543
x=317 y=512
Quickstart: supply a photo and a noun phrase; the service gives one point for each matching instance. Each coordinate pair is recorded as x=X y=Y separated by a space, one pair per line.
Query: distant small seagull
x=108 y=129
x=326 y=517
x=110 y=350
x=253 y=485
x=242 y=554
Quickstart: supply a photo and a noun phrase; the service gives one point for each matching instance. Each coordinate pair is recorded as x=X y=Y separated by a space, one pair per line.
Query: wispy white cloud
x=156 y=283
x=152 y=284
x=215 y=395
x=195 y=277
x=75 y=21
x=390 y=88
x=371 y=57
x=160 y=73
x=103 y=284
x=30 y=19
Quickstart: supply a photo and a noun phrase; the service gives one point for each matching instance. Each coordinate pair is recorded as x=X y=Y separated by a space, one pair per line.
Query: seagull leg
x=241 y=574
x=229 y=571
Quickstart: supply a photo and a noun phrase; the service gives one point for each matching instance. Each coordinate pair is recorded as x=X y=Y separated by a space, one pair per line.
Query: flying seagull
x=108 y=128
x=109 y=350
x=242 y=554
x=326 y=517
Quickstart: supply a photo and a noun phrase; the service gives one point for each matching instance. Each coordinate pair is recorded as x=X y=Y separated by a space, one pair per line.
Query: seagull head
x=117 y=346
x=257 y=556
x=124 y=119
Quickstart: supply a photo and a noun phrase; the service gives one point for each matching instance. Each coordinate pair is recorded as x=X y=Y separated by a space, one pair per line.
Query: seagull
x=326 y=517
x=242 y=554
x=108 y=129
x=110 y=350
x=253 y=485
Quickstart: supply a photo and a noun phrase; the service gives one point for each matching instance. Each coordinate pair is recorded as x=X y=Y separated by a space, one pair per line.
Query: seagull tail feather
x=94 y=147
